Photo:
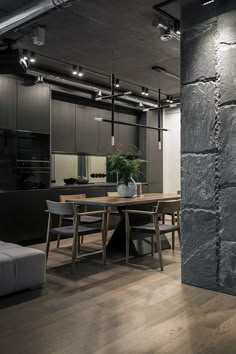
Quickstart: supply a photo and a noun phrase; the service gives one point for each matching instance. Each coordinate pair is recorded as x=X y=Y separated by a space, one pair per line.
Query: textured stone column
x=208 y=130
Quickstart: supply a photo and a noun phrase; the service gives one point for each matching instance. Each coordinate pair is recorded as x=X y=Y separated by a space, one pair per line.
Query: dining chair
x=172 y=209
x=76 y=230
x=86 y=219
x=153 y=228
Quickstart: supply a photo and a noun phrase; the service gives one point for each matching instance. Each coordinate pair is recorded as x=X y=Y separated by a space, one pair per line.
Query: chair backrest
x=113 y=194
x=58 y=208
x=169 y=207
x=63 y=198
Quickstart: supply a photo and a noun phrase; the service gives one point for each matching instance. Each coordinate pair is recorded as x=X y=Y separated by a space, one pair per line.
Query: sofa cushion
x=20 y=268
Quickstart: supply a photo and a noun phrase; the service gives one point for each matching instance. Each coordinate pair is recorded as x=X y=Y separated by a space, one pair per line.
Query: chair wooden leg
x=58 y=236
x=173 y=241
x=179 y=236
x=104 y=246
x=58 y=241
x=48 y=238
x=173 y=233
x=153 y=245
x=158 y=240
x=47 y=246
x=105 y=222
x=74 y=251
x=79 y=242
x=127 y=233
x=82 y=239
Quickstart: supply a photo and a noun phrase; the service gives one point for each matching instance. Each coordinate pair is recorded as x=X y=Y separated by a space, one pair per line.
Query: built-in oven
x=33 y=174
x=33 y=146
x=33 y=160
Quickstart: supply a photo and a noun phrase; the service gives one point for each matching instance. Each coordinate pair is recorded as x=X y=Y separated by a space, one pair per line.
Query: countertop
x=86 y=185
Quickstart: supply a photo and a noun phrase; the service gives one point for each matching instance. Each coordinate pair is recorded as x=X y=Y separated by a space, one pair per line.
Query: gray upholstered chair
x=153 y=228
x=76 y=230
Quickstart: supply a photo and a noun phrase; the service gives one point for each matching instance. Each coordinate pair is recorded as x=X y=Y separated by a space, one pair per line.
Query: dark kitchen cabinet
x=7 y=103
x=104 y=129
x=63 y=126
x=33 y=108
x=128 y=135
x=27 y=210
x=86 y=130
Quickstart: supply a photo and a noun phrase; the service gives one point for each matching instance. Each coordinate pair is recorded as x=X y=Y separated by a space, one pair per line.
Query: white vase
x=127 y=189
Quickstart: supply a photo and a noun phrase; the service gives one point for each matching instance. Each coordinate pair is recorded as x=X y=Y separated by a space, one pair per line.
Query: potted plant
x=127 y=166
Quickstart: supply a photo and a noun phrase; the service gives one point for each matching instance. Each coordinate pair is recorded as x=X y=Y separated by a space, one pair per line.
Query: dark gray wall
x=209 y=145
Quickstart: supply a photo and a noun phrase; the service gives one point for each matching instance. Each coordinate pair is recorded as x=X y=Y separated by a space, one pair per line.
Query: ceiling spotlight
x=32 y=58
x=39 y=80
x=141 y=105
x=206 y=2
x=165 y=34
x=117 y=83
x=143 y=91
x=146 y=92
x=177 y=28
x=169 y=99
x=25 y=54
x=98 y=119
x=74 y=70
x=81 y=72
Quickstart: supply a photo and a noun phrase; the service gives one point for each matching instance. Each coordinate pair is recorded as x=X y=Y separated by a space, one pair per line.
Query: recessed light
x=146 y=92
x=81 y=72
x=32 y=58
x=117 y=83
x=75 y=70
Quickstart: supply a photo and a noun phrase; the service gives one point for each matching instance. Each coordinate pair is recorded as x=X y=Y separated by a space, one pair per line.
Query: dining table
x=139 y=244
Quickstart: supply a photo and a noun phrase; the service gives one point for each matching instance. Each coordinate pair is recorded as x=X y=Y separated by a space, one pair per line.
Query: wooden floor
x=121 y=309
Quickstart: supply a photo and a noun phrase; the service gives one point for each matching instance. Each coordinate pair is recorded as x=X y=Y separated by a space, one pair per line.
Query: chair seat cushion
x=86 y=219
x=20 y=268
x=164 y=228
x=69 y=230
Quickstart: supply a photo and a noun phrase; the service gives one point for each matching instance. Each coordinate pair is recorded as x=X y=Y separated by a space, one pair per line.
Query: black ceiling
x=107 y=36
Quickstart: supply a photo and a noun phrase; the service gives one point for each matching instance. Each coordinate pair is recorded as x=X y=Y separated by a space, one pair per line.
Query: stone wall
x=208 y=129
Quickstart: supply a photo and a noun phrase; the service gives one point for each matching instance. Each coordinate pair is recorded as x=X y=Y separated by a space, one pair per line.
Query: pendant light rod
x=112 y=109
x=159 y=118
x=130 y=124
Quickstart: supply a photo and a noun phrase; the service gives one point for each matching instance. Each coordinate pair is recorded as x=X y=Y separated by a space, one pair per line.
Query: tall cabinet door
x=105 y=146
x=7 y=103
x=86 y=130
x=128 y=135
x=33 y=108
x=63 y=126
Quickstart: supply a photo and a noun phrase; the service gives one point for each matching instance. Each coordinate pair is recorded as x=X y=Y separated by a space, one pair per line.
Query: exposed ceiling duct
x=59 y=78
x=30 y=12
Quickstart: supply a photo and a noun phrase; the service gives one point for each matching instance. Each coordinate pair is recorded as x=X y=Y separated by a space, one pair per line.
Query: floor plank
x=116 y=309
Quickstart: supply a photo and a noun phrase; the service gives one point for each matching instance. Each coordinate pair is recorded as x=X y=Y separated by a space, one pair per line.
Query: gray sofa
x=20 y=268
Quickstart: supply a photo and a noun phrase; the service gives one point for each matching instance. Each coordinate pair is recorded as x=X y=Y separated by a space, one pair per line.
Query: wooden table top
x=118 y=201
